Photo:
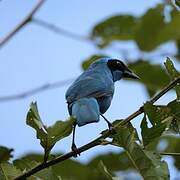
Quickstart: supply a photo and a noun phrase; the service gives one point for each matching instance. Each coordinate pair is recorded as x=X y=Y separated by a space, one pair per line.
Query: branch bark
x=169 y=154
x=99 y=140
x=26 y=20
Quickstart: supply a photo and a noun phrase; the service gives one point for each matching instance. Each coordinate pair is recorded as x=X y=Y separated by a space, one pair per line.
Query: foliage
x=8 y=171
x=148 y=74
x=173 y=74
x=5 y=154
x=148 y=31
x=120 y=27
x=48 y=135
x=177 y=3
x=137 y=153
x=148 y=163
x=25 y=164
x=156 y=118
x=160 y=123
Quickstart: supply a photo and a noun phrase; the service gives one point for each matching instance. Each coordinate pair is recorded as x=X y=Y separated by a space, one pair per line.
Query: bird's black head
x=118 y=68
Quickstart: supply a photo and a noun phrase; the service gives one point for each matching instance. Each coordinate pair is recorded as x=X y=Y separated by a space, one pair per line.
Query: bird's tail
x=86 y=110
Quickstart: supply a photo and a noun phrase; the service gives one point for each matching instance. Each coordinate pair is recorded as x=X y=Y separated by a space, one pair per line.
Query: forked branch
x=99 y=140
x=22 y=23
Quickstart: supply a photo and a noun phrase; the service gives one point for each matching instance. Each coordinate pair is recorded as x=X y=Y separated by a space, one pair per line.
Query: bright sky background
x=35 y=56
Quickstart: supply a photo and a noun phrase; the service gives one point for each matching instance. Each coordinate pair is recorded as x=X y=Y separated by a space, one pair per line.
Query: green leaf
x=5 y=154
x=124 y=139
x=156 y=114
x=33 y=119
x=86 y=63
x=148 y=74
x=147 y=163
x=113 y=161
x=26 y=164
x=75 y=170
x=177 y=2
x=152 y=22
x=168 y=143
x=120 y=27
x=48 y=135
x=105 y=174
x=8 y=171
x=126 y=136
x=171 y=29
x=59 y=130
x=149 y=134
x=173 y=146
x=175 y=112
x=149 y=30
x=153 y=30
x=158 y=169
x=56 y=132
x=162 y=118
x=173 y=74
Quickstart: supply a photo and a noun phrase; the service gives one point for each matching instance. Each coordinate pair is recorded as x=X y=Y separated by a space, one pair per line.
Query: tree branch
x=60 y=30
x=169 y=154
x=64 y=32
x=36 y=90
x=26 y=20
x=57 y=84
x=153 y=100
x=99 y=140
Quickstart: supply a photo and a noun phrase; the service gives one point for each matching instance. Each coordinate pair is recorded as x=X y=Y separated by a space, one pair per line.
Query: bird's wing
x=90 y=86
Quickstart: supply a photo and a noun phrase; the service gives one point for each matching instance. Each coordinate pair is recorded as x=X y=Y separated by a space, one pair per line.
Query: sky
x=35 y=56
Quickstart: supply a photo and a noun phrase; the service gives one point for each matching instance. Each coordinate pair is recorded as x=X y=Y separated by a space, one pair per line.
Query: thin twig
x=49 y=86
x=26 y=20
x=36 y=90
x=169 y=154
x=60 y=30
x=41 y=166
x=64 y=32
x=97 y=141
x=154 y=99
x=165 y=90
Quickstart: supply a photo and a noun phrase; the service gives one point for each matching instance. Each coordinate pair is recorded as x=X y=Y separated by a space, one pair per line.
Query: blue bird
x=90 y=95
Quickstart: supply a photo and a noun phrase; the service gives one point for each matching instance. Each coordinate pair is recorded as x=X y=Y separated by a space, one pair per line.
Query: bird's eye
x=115 y=65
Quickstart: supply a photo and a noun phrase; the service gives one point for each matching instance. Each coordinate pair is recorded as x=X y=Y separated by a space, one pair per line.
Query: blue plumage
x=91 y=93
x=86 y=110
x=97 y=82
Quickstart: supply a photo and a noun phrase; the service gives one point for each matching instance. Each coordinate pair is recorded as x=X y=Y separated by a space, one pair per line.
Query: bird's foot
x=111 y=128
x=75 y=150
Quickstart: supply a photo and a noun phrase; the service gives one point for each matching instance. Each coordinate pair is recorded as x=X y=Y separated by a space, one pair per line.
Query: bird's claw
x=75 y=150
x=111 y=128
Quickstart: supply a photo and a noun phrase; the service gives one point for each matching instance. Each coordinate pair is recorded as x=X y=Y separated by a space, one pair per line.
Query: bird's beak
x=129 y=74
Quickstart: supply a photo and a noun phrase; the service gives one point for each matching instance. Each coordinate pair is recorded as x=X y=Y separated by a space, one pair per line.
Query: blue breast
x=96 y=82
